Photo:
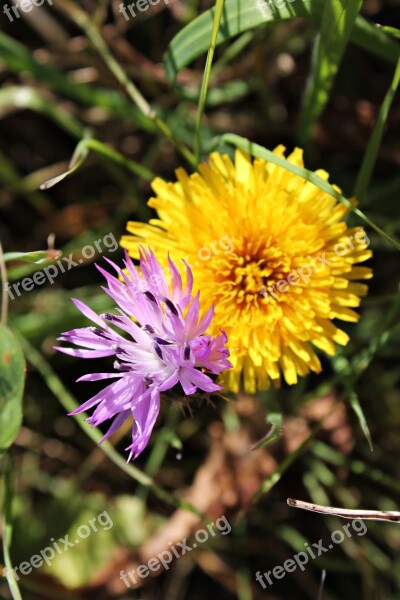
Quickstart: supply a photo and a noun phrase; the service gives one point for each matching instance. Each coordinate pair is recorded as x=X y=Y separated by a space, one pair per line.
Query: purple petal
x=144 y=414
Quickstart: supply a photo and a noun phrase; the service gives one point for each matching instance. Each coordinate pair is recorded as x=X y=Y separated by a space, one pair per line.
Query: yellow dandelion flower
x=273 y=254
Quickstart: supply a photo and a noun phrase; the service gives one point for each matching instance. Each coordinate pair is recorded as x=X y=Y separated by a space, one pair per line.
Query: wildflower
x=278 y=224
x=165 y=345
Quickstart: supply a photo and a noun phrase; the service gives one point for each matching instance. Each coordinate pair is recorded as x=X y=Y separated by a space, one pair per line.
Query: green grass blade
x=240 y=16
x=206 y=77
x=337 y=21
x=357 y=408
x=256 y=150
x=81 y=153
x=275 y=432
x=371 y=153
x=7 y=530
x=390 y=30
x=38 y=258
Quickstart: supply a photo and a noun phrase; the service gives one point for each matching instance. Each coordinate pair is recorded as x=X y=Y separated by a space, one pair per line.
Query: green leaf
x=390 y=30
x=256 y=150
x=356 y=406
x=219 y=5
x=12 y=378
x=275 y=420
x=242 y=15
x=39 y=257
x=6 y=509
x=88 y=556
x=337 y=21
x=81 y=153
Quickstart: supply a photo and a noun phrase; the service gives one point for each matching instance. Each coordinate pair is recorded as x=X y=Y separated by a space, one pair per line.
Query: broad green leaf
x=77 y=565
x=242 y=15
x=12 y=378
x=337 y=21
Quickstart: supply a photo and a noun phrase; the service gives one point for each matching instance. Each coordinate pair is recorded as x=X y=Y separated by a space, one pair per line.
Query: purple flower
x=164 y=345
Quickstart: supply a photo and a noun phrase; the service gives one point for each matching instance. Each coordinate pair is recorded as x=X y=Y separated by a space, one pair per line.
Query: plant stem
x=371 y=153
x=4 y=296
x=7 y=532
x=206 y=77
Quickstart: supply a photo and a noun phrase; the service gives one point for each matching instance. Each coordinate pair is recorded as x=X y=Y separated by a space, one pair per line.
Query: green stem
x=4 y=296
x=206 y=77
x=119 y=159
x=7 y=532
x=371 y=153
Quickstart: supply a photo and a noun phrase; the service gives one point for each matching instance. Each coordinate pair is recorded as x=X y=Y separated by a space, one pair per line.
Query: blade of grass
x=337 y=21
x=390 y=30
x=4 y=295
x=7 y=530
x=357 y=408
x=256 y=150
x=82 y=152
x=367 y=167
x=38 y=258
x=219 y=5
